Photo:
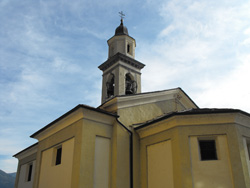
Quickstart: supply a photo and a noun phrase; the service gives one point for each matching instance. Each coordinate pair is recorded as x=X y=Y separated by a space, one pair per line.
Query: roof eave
x=70 y=112
x=192 y=112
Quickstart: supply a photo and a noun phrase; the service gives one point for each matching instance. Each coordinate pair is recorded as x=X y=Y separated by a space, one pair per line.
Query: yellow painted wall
x=52 y=175
x=212 y=173
x=120 y=172
x=102 y=162
x=136 y=160
x=90 y=131
x=229 y=171
x=246 y=143
x=121 y=151
x=243 y=138
x=145 y=112
x=83 y=131
x=160 y=165
x=165 y=138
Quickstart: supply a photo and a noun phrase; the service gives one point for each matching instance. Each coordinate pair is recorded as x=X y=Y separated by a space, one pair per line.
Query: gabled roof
x=189 y=112
x=71 y=111
x=151 y=92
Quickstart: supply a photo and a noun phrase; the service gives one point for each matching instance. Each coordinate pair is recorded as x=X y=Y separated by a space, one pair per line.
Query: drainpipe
x=130 y=152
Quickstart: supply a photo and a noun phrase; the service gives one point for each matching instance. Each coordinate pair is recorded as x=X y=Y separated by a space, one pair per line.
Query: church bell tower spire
x=121 y=72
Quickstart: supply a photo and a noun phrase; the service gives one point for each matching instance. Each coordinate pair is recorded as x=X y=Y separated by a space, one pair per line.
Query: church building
x=158 y=139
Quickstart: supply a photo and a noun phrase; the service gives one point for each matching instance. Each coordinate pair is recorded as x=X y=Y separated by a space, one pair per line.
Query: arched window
x=110 y=85
x=131 y=85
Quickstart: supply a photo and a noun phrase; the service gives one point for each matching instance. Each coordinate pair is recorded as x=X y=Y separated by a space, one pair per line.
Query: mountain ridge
x=7 y=180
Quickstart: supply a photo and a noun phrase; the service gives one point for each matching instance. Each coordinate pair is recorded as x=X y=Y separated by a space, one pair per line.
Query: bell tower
x=121 y=72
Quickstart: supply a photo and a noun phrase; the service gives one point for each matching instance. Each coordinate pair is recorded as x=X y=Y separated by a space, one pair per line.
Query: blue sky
x=50 y=51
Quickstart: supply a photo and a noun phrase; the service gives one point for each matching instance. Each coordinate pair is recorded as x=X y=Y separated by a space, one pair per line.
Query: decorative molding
x=129 y=69
x=119 y=56
x=177 y=96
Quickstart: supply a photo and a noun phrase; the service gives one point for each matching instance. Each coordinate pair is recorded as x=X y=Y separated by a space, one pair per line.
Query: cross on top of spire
x=122 y=15
x=121 y=29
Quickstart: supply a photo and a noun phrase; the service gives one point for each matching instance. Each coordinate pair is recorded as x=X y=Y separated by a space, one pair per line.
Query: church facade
x=138 y=140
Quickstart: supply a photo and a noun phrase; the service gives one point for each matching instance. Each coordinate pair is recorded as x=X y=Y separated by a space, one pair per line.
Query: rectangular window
x=30 y=166
x=128 y=48
x=208 y=150
x=58 y=156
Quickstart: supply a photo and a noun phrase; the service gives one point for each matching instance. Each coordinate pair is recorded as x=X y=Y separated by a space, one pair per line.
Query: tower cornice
x=119 y=56
x=116 y=36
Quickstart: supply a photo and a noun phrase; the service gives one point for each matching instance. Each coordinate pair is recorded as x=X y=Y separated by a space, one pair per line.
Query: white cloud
x=230 y=91
x=204 y=48
x=168 y=30
x=9 y=165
